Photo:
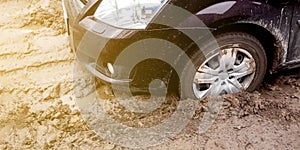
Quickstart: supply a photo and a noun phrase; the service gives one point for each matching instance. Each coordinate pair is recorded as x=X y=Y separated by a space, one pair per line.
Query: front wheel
x=238 y=64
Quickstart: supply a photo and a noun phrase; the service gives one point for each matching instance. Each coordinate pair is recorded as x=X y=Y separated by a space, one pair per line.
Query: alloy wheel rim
x=229 y=71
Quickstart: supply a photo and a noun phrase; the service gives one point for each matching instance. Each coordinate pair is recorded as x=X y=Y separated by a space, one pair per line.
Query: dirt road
x=37 y=100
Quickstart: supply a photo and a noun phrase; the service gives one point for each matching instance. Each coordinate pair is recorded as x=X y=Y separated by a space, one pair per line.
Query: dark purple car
x=253 y=37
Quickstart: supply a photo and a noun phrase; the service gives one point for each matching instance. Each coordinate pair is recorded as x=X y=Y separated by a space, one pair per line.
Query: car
x=253 y=38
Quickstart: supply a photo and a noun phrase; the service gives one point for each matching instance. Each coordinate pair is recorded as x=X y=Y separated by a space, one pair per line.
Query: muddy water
x=38 y=110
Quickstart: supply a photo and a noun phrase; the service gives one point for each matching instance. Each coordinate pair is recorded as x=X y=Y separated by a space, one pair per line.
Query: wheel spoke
x=206 y=69
x=201 y=78
x=222 y=62
x=242 y=73
x=247 y=63
x=243 y=69
x=227 y=59
x=231 y=57
x=231 y=89
x=236 y=84
x=206 y=92
x=216 y=89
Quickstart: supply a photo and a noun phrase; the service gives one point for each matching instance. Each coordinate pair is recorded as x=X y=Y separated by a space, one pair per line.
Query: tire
x=247 y=53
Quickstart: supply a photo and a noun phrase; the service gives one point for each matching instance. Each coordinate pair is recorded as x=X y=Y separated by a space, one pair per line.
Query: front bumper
x=91 y=67
x=98 y=44
x=88 y=40
x=94 y=53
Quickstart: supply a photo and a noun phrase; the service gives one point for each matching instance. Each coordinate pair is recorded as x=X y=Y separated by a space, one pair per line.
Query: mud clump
x=277 y=99
x=34 y=14
x=51 y=18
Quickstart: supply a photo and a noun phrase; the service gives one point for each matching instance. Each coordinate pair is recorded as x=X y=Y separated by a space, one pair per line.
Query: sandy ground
x=38 y=110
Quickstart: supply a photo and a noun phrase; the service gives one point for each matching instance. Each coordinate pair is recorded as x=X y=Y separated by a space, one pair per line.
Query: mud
x=38 y=110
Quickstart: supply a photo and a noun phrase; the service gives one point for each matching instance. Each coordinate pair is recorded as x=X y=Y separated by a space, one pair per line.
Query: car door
x=294 y=45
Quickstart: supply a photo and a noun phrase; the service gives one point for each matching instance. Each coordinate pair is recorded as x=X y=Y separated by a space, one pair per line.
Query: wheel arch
x=267 y=39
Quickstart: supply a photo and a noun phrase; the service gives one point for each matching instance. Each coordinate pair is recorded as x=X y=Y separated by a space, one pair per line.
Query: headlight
x=131 y=14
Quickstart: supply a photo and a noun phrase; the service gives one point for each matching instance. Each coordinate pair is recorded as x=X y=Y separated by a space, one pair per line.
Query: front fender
x=274 y=17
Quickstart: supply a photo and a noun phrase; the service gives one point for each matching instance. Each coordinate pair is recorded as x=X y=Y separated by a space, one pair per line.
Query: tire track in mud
x=36 y=69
